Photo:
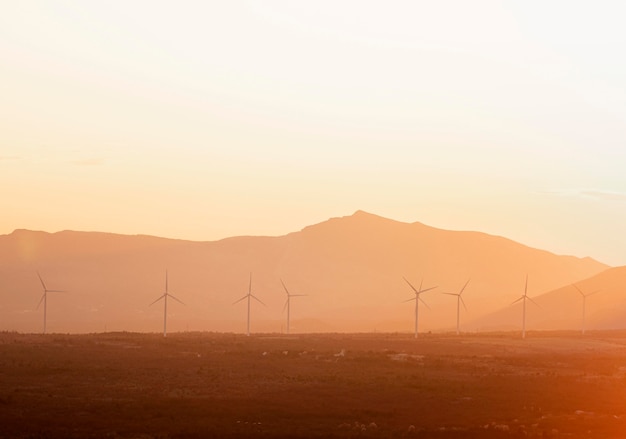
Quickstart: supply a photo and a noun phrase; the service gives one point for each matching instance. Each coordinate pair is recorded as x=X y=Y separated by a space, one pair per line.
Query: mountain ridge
x=344 y=263
x=357 y=214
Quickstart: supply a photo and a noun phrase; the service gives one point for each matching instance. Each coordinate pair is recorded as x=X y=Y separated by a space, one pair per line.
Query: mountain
x=562 y=308
x=351 y=268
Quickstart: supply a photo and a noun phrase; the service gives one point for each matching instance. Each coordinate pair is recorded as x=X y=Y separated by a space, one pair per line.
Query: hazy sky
x=202 y=120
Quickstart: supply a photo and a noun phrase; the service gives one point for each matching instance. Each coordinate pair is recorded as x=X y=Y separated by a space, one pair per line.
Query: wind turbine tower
x=249 y=296
x=288 y=302
x=523 y=299
x=44 y=299
x=164 y=297
x=418 y=299
x=584 y=304
x=459 y=301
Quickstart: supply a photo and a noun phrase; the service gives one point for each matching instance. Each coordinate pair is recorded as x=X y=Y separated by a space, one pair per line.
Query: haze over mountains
x=351 y=268
x=561 y=308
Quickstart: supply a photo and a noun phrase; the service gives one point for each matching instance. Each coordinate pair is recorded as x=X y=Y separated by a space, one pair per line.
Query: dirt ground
x=192 y=385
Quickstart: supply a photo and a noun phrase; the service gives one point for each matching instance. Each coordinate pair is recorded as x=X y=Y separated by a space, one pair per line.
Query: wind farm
x=357 y=162
x=219 y=380
x=332 y=260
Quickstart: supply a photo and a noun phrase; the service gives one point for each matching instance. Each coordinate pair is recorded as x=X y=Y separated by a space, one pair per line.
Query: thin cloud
x=9 y=157
x=603 y=195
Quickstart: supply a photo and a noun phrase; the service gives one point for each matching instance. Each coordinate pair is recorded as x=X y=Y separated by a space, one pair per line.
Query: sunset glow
x=203 y=120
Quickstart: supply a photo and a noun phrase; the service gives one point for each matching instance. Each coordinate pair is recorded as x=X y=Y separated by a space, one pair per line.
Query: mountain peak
x=362 y=215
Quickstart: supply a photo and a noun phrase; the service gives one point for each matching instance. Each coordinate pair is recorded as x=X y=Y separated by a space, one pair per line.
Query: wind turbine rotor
x=583 y=294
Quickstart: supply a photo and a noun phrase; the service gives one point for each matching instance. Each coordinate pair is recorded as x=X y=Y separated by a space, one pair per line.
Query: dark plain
x=196 y=385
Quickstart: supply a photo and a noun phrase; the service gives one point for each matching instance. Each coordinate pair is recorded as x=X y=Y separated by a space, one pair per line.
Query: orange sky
x=206 y=120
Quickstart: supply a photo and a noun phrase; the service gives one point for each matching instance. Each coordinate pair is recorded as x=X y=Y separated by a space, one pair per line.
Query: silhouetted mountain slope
x=350 y=267
x=562 y=307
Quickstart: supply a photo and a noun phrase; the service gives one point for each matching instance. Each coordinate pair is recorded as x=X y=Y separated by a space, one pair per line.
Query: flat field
x=192 y=385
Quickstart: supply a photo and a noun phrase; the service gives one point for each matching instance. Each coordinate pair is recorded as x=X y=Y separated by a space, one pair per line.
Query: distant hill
x=561 y=308
x=351 y=268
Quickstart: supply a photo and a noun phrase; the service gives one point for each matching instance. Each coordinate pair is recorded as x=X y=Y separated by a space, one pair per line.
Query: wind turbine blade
x=534 y=302
x=41 y=280
x=166 y=290
x=286 y=290
x=462 y=302
x=409 y=284
x=579 y=290
x=298 y=295
x=463 y=289
x=250 y=284
x=157 y=300
x=56 y=291
x=425 y=304
x=526 y=285
x=244 y=297
x=427 y=289
x=595 y=292
x=41 y=300
x=521 y=298
x=451 y=294
x=285 y=307
x=257 y=299
x=408 y=300
x=178 y=300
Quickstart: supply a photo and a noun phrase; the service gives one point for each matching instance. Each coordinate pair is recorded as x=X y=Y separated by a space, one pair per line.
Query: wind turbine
x=249 y=296
x=164 y=297
x=44 y=299
x=417 y=299
x=584 y=303
x=288 y=302
x=459 y=301
x=523 y=299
